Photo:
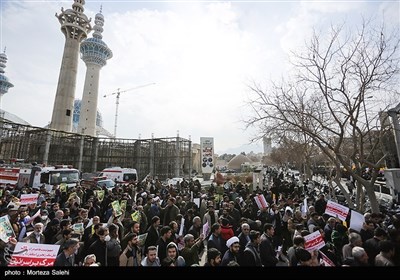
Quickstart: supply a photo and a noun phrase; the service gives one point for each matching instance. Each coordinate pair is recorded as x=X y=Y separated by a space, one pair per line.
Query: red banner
x=28 y=261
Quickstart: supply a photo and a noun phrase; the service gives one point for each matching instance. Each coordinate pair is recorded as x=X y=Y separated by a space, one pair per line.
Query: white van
x=384 y=194
x=120 y=175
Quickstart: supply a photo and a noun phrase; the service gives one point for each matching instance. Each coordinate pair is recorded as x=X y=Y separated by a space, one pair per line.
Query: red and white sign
x=260 y=201
x=32 y=254
x=9 y=175
x=325 y=261
x=314 y=241
x=336 y=210
x=30 y=198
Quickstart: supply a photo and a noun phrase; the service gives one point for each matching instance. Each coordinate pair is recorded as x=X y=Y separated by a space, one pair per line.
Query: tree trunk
x=344 y=192
x=360 y=197
x=372 y=197
x=332 y=189
x=307 y=170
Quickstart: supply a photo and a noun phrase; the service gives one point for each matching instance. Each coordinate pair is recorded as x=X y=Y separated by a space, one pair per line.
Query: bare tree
x=327 y=99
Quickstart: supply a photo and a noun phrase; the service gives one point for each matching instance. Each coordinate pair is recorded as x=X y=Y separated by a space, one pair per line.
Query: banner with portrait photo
x=6 y=230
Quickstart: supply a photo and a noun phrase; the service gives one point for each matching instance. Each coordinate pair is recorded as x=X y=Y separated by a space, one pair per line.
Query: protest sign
x=325 y=261
x=260 y=201
x=6 y=230
x=78 y=228
x=336 y=210
x=181 y=228
x=63 y=187
x=136 y=216
x=32 y=254
x=197 y=202
x=356 y=220
x=142 y=239
x=117 y=208
x=99 y=194
x=123 y=204
x=206 y=229
x=30 y=198
x=314 y=241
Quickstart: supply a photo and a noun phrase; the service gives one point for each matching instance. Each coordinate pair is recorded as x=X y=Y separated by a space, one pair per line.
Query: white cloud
x=329 y=7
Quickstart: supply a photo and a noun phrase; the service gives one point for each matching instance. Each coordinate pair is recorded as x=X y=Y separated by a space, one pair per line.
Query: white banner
x=336 y=210
x=304 y=208
x=207 y=154
x=30 y=198
x=314 y=241
x=206 y=228
x=197 y=202
x=356 y=220
x=32 y=254
x=181 y=228
x=89 y=223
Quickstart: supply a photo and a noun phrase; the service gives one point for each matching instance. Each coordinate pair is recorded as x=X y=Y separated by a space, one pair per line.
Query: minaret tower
x=75 y=25
x=4 y=82
x=95 y=54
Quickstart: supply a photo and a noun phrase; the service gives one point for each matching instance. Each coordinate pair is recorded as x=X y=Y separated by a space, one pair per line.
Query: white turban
x=231 y=241
x=288 y=209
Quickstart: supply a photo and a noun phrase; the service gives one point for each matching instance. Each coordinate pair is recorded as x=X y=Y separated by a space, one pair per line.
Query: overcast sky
x=201 y=55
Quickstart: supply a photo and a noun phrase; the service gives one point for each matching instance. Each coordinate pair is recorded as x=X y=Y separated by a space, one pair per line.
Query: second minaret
x=95 y=54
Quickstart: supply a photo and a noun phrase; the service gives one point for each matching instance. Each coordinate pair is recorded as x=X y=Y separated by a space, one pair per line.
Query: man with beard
x=233 y=251
x=67 y=256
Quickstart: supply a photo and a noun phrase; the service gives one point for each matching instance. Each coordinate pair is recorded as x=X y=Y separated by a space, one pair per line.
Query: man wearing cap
x=233 y=251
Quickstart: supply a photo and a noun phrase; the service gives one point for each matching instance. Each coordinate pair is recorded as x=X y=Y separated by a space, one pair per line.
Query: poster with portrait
x=6 y=230
x=142 y=239
x=123 y=205
x=117 y=208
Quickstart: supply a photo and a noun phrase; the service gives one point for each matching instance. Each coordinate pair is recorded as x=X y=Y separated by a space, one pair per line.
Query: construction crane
x=118 y=92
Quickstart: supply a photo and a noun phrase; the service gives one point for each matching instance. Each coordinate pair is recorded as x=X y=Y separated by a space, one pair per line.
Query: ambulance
x=120 y=175
x=37 y=176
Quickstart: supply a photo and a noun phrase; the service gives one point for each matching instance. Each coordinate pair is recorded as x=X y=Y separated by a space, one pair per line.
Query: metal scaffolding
x=162 y=157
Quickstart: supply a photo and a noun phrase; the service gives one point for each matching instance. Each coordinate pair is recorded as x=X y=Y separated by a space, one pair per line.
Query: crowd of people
x=186 y=223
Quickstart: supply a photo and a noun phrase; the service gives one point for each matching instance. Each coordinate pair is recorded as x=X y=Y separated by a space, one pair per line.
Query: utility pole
x=118 y=93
